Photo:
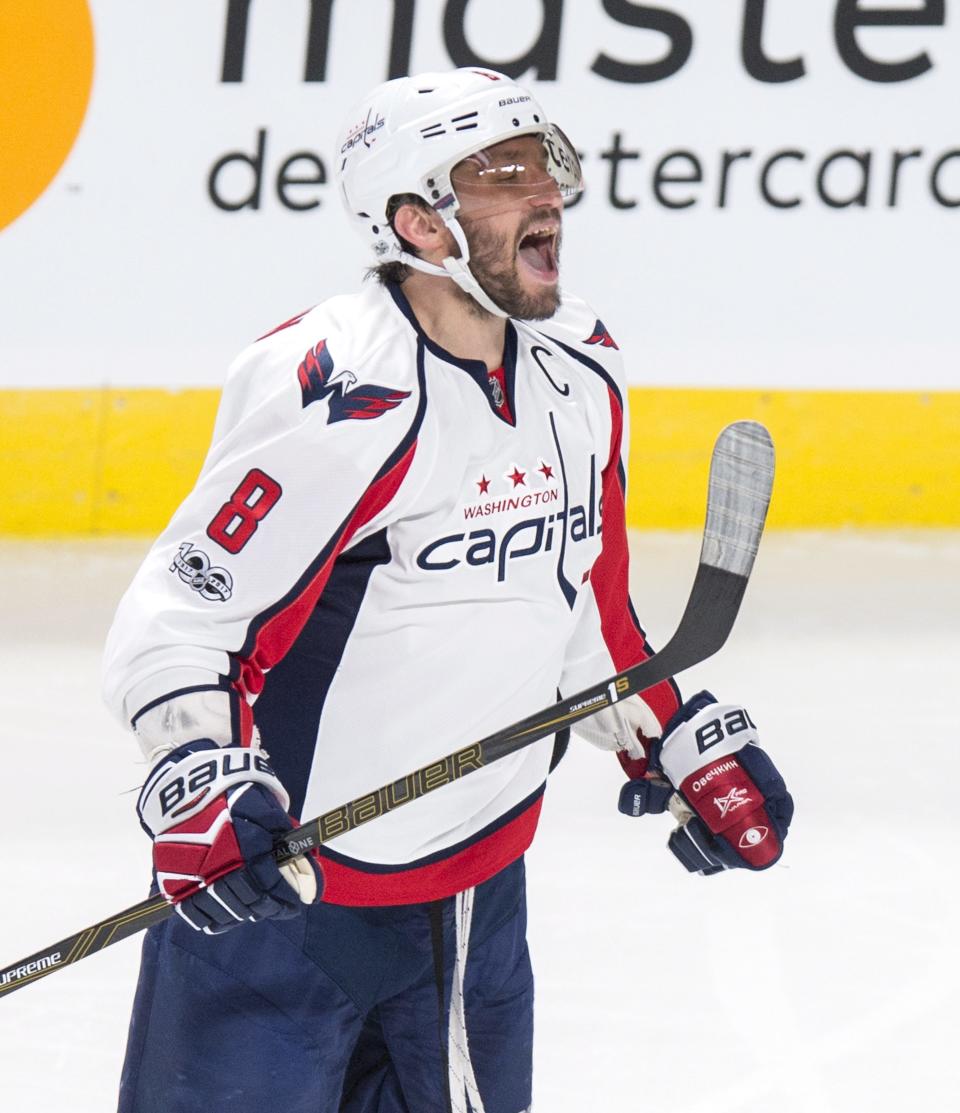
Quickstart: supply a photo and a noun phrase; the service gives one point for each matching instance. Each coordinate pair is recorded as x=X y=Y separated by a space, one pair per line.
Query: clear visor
x=517 y=170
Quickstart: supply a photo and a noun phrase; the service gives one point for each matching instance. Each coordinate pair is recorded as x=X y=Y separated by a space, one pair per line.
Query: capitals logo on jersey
x=555 y=529
x=317 y=381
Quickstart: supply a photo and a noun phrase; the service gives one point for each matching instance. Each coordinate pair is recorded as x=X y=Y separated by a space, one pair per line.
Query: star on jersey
x=519 y=477
x=317 y=381
x=484 y=484
x=734 y=799
x=546 y=470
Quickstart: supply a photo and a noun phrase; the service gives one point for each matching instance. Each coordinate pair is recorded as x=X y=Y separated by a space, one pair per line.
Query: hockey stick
x=741 y=478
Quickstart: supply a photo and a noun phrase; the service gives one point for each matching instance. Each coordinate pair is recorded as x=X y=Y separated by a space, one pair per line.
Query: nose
x=547 y=195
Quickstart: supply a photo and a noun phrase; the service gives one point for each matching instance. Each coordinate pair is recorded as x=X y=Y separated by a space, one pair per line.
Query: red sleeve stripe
x=285 y=324
x=611 y=572
x=274 y=636
x=609 y=576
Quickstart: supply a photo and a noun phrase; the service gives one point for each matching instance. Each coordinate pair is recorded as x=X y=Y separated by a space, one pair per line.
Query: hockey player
x=408 y=533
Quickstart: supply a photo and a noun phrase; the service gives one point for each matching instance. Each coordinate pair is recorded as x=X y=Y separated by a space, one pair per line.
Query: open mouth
x=538 y=249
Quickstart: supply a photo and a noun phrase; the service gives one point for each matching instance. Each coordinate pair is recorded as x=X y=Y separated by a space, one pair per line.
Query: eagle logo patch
x=318 y=379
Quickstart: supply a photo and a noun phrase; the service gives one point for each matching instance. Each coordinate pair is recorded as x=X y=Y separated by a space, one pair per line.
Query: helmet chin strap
x=457 y=269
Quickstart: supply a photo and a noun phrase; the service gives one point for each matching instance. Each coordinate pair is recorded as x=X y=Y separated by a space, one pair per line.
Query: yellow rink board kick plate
x=114 y=461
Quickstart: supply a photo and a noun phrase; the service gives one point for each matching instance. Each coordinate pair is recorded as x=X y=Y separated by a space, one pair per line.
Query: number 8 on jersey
x=236 y=521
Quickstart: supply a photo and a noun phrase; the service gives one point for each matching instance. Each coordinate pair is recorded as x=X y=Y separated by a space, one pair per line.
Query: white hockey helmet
x=407 y=136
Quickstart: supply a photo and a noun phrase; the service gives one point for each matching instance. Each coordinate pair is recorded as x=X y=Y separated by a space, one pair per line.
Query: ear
x=424 y=228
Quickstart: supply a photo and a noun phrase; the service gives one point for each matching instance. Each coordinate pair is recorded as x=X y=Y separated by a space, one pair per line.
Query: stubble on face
x=495 y=265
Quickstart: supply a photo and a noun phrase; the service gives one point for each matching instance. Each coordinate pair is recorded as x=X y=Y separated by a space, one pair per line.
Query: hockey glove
x=211 y=810
x=737 y=809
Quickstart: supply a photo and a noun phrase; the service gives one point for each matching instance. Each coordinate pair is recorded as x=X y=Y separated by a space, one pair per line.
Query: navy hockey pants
x=337 y=1009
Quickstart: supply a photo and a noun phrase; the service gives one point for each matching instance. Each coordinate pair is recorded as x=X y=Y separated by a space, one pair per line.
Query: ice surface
x=826 y=985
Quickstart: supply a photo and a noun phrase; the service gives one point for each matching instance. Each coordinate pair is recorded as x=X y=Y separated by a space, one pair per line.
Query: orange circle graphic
x=46 y=62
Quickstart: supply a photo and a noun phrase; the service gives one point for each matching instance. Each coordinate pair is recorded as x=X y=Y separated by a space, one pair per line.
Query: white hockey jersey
x=390 y=553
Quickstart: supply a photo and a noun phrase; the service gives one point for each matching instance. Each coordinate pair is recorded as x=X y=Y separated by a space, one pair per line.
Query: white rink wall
x=826 y=985
x=770 y=186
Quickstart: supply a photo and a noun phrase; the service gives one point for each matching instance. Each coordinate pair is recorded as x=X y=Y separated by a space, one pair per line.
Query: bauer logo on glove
x=230 y=766
x=214 y=815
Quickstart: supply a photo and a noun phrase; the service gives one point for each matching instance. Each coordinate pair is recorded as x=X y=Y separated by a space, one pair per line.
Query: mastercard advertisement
x=46 y=58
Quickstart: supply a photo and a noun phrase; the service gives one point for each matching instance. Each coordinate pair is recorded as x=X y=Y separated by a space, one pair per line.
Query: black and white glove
x=214 y=814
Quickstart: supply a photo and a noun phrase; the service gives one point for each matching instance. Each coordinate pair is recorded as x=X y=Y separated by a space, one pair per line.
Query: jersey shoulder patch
x=579 y=325
x=346 y=354
x=347 y=398
x=601 y=336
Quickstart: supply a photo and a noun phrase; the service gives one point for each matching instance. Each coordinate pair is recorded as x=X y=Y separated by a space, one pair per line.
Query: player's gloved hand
x=737 y=809
x=211 y=810
x=628 y=727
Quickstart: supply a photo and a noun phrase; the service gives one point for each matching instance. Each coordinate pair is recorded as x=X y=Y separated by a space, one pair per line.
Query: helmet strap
x=457 y=269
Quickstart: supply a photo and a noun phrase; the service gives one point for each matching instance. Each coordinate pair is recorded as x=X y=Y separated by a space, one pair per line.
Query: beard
x=495 y=265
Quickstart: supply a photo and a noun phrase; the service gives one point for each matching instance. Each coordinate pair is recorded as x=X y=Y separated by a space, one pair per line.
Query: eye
x=495 y=174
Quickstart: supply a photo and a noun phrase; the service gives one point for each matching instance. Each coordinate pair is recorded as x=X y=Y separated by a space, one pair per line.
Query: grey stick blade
x=741 y=480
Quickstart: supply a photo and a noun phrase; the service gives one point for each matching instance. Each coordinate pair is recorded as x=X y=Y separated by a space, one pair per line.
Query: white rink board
x=126 y=271
x=826 y=985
